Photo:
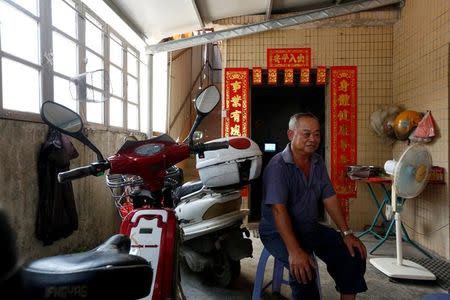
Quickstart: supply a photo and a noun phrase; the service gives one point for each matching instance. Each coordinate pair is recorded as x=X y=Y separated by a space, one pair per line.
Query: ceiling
x=156 y=19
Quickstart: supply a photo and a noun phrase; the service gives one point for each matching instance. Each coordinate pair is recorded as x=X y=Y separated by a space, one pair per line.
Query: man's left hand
x=353 y=242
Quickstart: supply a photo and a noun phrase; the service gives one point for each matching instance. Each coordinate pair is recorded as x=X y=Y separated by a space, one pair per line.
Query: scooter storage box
x=236 y=165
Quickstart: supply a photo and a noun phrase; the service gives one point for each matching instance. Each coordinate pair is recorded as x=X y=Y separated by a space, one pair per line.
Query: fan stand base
x=407 y=270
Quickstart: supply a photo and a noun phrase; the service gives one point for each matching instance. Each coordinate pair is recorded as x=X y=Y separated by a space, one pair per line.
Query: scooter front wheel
x=235 y=269
x=224 y=270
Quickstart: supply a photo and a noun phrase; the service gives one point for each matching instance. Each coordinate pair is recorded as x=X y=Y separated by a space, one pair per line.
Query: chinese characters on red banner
x=304 y=76
x=257 y=75
x=236 y=102
x=289 y=76
x=321 y=75
x=272 y=76
x=289 y=58
x=343 y=131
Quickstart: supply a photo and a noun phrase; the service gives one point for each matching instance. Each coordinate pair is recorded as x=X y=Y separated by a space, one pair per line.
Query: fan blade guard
x=412 y=170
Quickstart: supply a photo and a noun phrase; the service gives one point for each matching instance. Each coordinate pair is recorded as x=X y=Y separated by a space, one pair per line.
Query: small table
x=383 y=181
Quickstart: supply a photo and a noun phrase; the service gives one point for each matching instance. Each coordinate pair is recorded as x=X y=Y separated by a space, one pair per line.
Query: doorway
x=271 y=108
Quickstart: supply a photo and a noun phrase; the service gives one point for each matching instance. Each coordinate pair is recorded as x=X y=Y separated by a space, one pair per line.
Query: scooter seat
x=188 y=188
x=107 y=271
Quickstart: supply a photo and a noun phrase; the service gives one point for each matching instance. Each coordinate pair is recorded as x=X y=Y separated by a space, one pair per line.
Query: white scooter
x=209 y=210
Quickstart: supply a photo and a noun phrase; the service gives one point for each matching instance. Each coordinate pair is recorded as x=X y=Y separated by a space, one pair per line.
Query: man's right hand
x=302 y=266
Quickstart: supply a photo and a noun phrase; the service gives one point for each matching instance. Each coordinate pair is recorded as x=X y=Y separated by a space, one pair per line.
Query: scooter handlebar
x=216 y=145
x=201 y=147
x=96 y=169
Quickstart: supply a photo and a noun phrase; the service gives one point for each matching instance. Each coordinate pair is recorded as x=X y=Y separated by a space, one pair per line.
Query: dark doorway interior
x=271 y=108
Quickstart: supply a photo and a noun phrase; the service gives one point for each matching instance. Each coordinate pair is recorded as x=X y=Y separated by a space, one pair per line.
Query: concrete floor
x=380 y=287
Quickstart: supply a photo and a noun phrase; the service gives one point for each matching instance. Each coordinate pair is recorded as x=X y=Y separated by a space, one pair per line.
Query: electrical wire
x=428 y=233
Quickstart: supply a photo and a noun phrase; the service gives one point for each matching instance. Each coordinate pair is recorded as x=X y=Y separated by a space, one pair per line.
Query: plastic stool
x=277 y=277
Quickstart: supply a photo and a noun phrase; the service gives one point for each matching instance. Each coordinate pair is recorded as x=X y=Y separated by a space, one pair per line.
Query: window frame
x=47 y=73
x=126 y=46
x=14 y=114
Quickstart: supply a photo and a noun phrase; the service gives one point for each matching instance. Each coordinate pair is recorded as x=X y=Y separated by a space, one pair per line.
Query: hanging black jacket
x=57 y=214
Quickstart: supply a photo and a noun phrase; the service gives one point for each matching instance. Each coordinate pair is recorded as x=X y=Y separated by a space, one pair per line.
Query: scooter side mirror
x=68 y=122
x=207 y=100
x=61 y=118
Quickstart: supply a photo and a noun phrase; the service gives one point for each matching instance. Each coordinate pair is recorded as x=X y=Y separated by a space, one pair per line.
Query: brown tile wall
x=408 y=64
x=421 y=82
x=369 y=48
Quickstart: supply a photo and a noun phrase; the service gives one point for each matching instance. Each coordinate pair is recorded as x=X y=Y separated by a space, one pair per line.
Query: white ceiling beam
x=199 y=17
x=269 y=9
x=310 y=16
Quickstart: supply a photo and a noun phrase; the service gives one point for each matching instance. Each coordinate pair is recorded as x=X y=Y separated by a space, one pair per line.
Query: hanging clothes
x=57 y=214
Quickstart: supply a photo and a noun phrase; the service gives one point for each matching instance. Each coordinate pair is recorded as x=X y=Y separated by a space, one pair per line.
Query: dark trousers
x=327 y=244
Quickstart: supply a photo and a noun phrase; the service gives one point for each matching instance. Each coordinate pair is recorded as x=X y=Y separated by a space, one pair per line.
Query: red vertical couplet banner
x=343 y=131
x=236 y=105
x=236 y=102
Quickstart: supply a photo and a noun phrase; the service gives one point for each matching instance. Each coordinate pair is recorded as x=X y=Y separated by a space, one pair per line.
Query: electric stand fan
x=410 y=176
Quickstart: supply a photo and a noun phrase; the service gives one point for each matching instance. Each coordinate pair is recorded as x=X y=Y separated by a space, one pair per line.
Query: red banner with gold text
x=272 y=76
x=304 y=76
x=288 y=76
x=257 y=75
x=236 y=106
x=343 y=131
x=289 y=58
x=236 y=102
x=321 y=75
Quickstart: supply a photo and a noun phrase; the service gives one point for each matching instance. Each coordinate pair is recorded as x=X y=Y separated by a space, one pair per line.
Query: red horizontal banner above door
x=289 y=58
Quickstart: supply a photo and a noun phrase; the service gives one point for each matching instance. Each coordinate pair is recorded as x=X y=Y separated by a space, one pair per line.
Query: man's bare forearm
x=284 y=226
x=334 y=210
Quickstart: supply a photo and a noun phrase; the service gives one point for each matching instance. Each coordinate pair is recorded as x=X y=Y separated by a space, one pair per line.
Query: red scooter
x=151 y=225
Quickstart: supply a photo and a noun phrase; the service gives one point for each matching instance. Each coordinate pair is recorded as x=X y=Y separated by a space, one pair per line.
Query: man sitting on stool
x=294 y=181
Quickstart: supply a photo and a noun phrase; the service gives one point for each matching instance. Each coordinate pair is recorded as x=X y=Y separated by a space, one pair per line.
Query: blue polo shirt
x=285 y=183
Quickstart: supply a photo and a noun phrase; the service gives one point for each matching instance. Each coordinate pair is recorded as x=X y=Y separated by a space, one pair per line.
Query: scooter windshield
x=154 y=140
